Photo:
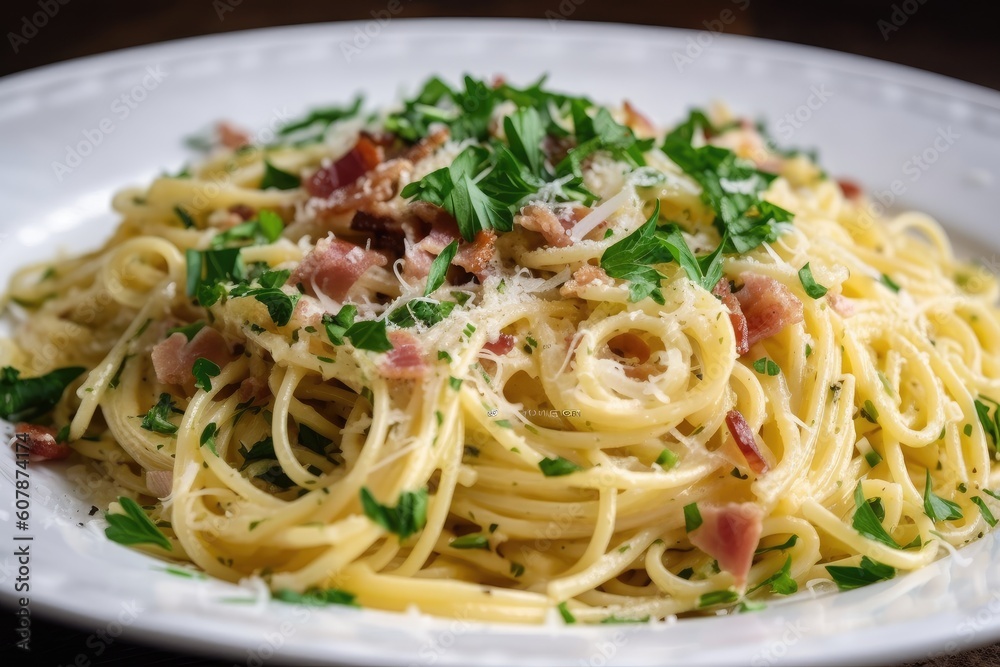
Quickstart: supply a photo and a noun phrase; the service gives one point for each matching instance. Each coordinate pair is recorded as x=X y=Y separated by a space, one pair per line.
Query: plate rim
x=36 y=79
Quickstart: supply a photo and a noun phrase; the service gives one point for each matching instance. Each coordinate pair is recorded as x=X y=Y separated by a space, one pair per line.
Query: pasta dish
x=507 y=354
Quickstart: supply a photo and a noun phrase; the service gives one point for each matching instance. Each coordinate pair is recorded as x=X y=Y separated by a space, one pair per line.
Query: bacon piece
x=501 y=346
x=736 y=317
x=333 y=266
x=588 y=274
x=243 y=211
x=253 y=388
x=361 y=159
x=159 y=483
x=850 y=189
x=405 y=361
x=41 y=441
x=428 y=145
x=386 y=233
x=474 y=257
x=378 y=185
x=542 y=219
x=769 y=307
x=730 y=534
x=745 y=440
x=841 y=304
x=638 y=122
x=231 y=136
x=174 y=356
x=630 y=346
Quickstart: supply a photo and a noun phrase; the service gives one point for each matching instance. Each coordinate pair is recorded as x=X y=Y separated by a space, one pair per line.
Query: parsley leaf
x=766 y=366
x=730 y=187
x=557 y=467
x=435 y=278
x=24 y=399
x=848 y=578
x=369 y=335
x=207 y=269
x=631 y=259
x=265 y=228
x=457 y=189
x=276 y=178
x=781 y=582
x=157 y=418
x=203 y=371
x=778 y=547
x=337 y=325
x=990 y=426
x=208 y=437
x=813 y=288
x=406 y=518
x=427 y=313
x=134 y=527
x=985 y=511
x=567 y=616
x=259 y=451
x=313 y=126
x=866 y=522
x=936 y=507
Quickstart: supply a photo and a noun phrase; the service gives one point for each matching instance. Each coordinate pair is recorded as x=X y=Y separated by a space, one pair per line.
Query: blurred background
x=954 y=39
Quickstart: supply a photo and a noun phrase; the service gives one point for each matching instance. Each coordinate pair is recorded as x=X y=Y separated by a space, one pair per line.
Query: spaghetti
x=503 y=350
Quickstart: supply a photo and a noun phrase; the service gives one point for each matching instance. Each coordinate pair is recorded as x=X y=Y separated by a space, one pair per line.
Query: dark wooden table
x=948 y=38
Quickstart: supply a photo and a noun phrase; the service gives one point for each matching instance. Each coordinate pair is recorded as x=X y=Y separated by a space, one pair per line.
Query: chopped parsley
x=557 y=467
x=848 y=578
x=439 y=267
x=788 y=544
x=134 y=527
x=277 y=178
x=406 y=518
x=203 y=371
x=936 y=507
x=157 y=419
x=717 y=597
x=317 y=597
x=364 y=335
x=867 y=522
x=985 y=511
x=870 y=412
x=667 y=459
x=25 y=399
x=692 y=517
x=781 y=582
x=812 y=288
x=208 y=437
x=473 y=541
x=566 y=614
x=731 y=187
x=890 y=283
x=313 y=126
x=765 y=366
x=265 y=228
x=991 y=426
x=207 y=270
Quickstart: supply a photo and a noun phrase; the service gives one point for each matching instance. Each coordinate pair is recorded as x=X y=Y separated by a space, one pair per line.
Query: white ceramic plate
x=935 y=140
